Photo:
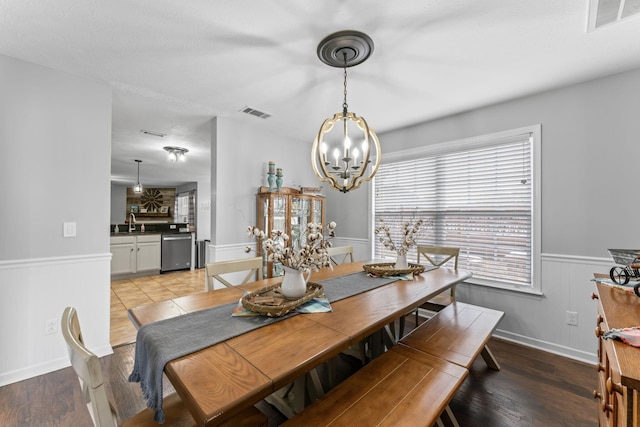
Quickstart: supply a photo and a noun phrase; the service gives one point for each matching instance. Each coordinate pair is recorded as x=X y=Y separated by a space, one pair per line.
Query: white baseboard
x=581 y=356
x=44 y=368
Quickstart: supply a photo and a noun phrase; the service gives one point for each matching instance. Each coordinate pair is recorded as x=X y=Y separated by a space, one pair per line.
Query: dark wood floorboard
x=533 y=388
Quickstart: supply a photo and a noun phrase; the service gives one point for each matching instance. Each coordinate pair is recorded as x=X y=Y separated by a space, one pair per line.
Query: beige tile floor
x=128 y=293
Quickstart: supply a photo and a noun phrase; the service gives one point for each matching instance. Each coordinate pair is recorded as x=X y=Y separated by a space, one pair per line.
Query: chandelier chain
x=344 y=103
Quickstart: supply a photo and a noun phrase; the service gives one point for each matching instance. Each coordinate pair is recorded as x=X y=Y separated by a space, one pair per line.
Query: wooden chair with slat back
x=340 y=254
x=439 y=256
x=436 y=256
x=89 y=370
x=215 y=270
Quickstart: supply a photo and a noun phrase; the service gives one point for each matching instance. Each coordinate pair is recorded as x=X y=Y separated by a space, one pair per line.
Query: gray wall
x=118 y=204
x=349 y=210
x=55 y=133
x=241 y=151
x=55 y=130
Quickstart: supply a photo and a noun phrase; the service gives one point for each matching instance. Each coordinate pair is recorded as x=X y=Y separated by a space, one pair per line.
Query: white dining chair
x=215 y=270
x=89 y=370
x=340 y=254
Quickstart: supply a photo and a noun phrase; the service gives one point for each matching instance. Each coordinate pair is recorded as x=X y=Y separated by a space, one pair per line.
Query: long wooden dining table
x=219 y=381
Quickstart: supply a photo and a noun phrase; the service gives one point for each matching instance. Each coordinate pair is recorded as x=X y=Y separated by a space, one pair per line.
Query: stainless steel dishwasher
x=176 y=252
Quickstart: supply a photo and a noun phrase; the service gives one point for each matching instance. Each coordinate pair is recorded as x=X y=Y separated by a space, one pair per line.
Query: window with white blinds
x=476 y=195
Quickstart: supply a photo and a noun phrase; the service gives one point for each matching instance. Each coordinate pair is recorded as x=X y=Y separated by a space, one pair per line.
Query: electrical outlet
x=572 y=318
x=50 y=326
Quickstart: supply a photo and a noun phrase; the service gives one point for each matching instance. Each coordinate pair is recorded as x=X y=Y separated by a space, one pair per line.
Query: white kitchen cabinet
x=148 y=253
x=123 y=255
x=135 y=254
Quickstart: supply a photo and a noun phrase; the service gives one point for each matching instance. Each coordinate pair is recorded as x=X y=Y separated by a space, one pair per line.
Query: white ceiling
x=174 y=65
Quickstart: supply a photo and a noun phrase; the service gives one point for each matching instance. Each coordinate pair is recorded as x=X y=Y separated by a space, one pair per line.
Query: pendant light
x=345 y=160
x=138 y=187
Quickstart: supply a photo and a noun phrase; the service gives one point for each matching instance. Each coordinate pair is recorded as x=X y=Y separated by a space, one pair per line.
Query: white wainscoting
x=540 y=321
x=36 y=290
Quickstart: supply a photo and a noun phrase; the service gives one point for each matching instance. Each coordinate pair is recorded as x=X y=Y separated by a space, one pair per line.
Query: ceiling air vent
x=152 y=133
x=603 y=12
x=255 y=112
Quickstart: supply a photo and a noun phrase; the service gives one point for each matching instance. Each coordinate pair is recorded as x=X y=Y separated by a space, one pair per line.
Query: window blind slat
x=473 y=199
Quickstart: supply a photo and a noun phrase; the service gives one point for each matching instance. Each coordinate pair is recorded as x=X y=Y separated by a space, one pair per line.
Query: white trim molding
x=72 y=259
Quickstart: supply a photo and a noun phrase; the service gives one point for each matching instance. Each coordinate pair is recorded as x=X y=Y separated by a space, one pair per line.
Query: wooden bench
x=401 y=387
x=413 y=382
x=457 y=333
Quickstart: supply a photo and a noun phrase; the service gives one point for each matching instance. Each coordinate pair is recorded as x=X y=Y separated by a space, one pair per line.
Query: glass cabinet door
x=264 y=225
x=316 y=213
x=299 y=219
x=279 y=214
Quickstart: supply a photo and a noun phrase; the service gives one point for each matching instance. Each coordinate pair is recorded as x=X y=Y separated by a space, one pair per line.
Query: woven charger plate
x=388 y=269
x=271 y=302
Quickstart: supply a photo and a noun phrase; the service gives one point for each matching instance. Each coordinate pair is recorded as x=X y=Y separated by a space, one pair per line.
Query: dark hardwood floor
x=533 y=388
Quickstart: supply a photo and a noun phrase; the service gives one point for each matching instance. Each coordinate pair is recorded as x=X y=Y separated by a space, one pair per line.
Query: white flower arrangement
x=312 y=256
x=409 y=232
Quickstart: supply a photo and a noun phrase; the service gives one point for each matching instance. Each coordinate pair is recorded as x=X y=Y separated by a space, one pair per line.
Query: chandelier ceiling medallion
x=176 y=153
x=344 y=158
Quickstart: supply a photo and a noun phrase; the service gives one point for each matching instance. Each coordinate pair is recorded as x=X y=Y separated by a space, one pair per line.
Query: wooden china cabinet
x=289 y=210
x=618 y=387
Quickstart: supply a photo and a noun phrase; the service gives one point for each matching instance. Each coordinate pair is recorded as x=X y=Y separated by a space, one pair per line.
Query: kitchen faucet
x=132 y=222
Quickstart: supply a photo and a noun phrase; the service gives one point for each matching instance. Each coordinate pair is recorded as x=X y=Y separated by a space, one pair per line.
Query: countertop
x=146 y=233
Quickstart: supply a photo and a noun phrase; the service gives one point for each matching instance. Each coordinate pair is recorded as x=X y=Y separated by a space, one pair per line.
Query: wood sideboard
x=618 y=366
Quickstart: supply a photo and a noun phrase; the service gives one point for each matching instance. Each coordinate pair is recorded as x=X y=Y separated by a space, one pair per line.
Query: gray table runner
x=352 y=284
x=161 y=342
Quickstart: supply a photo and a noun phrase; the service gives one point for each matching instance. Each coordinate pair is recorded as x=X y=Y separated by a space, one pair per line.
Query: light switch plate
x=69 y=229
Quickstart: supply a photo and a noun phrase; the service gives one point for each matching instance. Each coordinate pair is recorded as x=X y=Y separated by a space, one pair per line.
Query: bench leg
x=447 y=418
x=331 y=372
x=314 y=386
x=388 y=336
x=489 y=359
x=282 y=401
x=292 y=399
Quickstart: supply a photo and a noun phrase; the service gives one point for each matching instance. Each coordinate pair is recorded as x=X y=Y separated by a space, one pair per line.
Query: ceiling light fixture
x=138 y=187
x=176 y=153
x=343 y=160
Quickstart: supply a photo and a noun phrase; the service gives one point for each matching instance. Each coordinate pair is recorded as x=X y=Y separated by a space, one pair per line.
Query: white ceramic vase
x=294 y=283
x=401 y=262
